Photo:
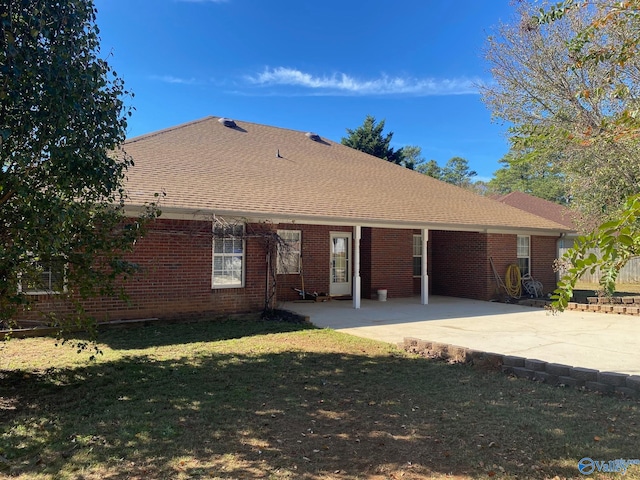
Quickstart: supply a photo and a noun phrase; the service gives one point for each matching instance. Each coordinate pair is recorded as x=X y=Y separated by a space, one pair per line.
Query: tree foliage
x=456 y=171
x=608 y=248
x=602 y=47
x=591 y=46
x=62 y=116
x=567 y=103
x=369 y=138
x=432 y=169
x=412 y=157
x=519 y=173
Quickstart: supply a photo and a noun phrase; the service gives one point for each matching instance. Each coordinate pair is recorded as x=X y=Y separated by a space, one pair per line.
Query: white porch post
x=424 y=297
x=357 y=231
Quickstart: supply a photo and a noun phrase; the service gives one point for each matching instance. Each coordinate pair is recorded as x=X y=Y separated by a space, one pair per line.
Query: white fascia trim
x=176 y=213
x=525 y=231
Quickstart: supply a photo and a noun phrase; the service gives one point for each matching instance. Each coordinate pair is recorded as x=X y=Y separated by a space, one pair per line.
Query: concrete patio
x=599 y=341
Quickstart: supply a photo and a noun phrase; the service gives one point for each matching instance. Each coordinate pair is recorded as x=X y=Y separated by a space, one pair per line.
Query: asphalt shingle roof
x=541 y=207
x=259 y=171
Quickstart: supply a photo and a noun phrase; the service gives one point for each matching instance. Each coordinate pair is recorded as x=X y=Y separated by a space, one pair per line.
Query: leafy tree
x=368 y=138
x=413 y=158
x=596 y=45
x=457 y=172
x=596 y=129
x=520 y=174
x=567 y=102
x=431 y=168
x=61 y=186
x=616 y=241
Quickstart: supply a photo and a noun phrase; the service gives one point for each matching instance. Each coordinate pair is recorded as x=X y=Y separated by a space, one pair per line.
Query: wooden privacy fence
x=630 y=273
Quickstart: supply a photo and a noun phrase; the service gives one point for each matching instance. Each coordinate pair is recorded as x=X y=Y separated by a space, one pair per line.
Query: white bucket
x=382 y=295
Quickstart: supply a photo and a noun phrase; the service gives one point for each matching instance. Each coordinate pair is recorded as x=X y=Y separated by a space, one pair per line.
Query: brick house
x=549 y=210
x=353 y=223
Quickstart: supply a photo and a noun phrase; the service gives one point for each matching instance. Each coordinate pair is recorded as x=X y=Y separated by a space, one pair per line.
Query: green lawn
x=585 y=289
x=253 y=399
x=622 y=288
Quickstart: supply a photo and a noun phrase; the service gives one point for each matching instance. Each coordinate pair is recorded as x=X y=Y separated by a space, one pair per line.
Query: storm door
x=340 y=264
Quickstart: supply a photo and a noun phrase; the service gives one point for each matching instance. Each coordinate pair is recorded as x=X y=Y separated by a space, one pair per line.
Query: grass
x=254 y=399
x=588 y=289
x=626 y=288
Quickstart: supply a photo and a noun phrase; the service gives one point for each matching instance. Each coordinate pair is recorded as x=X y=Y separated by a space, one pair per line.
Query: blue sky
x=313 y=66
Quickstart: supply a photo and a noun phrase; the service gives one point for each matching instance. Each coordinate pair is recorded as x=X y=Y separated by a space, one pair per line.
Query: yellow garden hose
x=512 y=281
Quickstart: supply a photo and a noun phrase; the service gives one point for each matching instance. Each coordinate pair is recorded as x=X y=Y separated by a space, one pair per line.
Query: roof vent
x=313 y=136
x=227 y=122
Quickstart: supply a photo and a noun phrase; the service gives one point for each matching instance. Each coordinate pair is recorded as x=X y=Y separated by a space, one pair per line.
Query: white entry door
x=340 y=266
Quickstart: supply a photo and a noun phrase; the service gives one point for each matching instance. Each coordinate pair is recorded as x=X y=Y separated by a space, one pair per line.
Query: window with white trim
x=289 y=251
x=228 y=256
x=46 y=278
x=524 y=254
x=417 y=255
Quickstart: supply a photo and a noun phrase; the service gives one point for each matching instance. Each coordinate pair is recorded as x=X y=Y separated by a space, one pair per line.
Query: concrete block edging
x=532 y=369
x=613 y=305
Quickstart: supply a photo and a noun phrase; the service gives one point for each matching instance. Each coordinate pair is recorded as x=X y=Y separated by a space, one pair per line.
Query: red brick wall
x=460 y=264
x=175 y=278
x=543 y=254
x=365 y=264
x=390 y=264
x=315 y=261
x=504 y=251
x=176 y=256
x=385 y=261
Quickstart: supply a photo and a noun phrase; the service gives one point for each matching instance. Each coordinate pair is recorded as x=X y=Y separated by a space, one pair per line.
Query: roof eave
x=179 y=213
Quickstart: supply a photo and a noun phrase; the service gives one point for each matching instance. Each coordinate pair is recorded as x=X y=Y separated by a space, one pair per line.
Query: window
x=524 y=254
x=228 y=256
x=46 y=278
x=417 y=255
x=289 y=253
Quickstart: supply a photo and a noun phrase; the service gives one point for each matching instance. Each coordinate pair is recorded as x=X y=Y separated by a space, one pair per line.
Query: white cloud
x=341 y=83
x=174 y=80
